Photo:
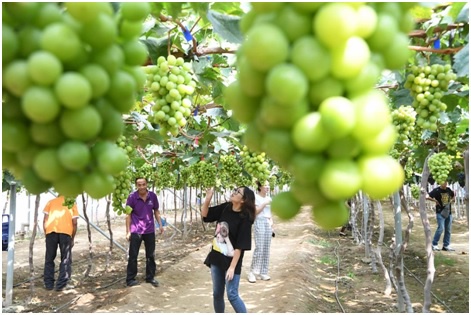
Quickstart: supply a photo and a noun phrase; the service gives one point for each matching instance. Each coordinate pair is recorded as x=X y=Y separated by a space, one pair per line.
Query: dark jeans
x=134 y=246
x=64 y=242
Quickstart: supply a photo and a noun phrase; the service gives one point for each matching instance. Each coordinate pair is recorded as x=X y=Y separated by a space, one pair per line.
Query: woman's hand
x=230 y=273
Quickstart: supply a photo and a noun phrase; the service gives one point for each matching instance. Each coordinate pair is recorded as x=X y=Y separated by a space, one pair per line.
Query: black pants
x=64 y=242
x=134 y=246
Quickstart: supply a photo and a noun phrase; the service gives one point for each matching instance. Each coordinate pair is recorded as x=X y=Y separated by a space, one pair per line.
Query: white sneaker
x=435 y=248
x=265 y=277
x=252 y=278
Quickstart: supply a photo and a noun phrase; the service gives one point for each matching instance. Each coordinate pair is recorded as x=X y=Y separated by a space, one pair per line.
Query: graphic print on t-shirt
x=221 y=241
x=445 y=198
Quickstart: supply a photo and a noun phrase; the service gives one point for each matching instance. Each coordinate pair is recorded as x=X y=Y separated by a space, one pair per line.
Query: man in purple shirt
x=140 y=227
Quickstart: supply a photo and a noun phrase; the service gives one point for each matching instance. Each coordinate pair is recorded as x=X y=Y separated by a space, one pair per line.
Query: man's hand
x=72 y=243
x=161 y=228
x=128 y=236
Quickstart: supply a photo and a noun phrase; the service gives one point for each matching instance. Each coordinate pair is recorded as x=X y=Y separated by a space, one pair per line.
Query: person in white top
x=262 y=234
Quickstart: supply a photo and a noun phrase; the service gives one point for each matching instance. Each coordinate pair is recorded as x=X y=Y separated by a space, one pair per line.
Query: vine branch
x=446 y=51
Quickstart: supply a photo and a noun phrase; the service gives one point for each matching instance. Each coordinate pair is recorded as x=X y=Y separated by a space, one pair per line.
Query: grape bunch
x=231 y=171
x=255 y=164
x=203 y=174
x=165 y=174
x=440 y=165
x=415 y=191
x=145 y=171
x=404 y=120
x=450 y=136
x=70 y=70
x=427 y=85
x=306 y=73
x=122 y=182
x=171 y=85
x=69 y=202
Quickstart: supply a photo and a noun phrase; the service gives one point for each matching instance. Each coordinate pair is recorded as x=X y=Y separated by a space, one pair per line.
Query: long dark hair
x=248 y=206
x=259 y=185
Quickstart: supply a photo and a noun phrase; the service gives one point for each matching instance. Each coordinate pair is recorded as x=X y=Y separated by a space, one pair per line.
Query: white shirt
x=266 y=212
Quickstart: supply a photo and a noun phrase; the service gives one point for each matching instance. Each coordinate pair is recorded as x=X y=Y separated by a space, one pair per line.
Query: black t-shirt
x=443 y=196
x=233 y=231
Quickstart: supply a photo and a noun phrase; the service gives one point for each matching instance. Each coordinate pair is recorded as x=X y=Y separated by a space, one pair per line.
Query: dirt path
x=186 y=286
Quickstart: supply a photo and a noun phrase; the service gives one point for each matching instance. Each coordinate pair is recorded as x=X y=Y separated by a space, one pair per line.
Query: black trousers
x=64 y=242
x=134 y=246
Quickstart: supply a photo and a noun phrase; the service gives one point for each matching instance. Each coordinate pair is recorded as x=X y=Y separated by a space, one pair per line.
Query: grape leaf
x=461 y=62
x=463 y=16
x=156 y=46
x=226 y=26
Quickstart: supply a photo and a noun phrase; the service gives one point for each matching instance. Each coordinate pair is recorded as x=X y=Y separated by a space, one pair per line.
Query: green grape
x=122 y=183
x=307 y=97
x=415 y=191
x=404 y=121
x=172 y=86
x=450 y=136
x=426 y=85
x=231 y=170
x=440 y=165
x=255 y=164
x=70 y=75
x=69 y=201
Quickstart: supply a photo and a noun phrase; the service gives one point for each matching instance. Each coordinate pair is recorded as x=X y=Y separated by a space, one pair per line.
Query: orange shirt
x=60 y=217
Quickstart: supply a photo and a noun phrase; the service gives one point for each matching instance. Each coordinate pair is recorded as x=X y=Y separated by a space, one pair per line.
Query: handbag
x=446 y=211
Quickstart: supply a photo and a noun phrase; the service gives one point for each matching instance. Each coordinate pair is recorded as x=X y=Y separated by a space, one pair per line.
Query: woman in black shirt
x=235 y=217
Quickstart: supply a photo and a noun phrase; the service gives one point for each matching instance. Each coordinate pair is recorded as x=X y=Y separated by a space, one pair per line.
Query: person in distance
x=443 y=197
x=140 y=226
x=238 y=214
x=60 y=227
x=262 y=234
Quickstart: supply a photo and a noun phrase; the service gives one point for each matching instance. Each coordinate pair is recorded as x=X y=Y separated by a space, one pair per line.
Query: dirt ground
x=312 y=270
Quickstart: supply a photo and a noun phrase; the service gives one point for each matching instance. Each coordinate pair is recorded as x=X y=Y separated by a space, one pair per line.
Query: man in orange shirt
x=60 y=226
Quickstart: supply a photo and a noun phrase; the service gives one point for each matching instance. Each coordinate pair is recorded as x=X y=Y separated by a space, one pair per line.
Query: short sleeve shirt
x=60 y=217
x=240 y=234
x=142 y=215
x=443 y=196
x=266 y=212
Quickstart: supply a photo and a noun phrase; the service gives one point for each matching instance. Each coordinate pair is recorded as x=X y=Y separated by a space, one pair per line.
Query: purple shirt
x=142 y=215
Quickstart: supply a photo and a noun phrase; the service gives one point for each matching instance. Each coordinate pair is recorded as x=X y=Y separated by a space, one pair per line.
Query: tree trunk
x=369 y=237
x=466 y=186
x=366 y=211
x=403 y=301
x=108 y=222
x=428 y=238
x=90 y=257
x=353 y=220
x=175 y=205
x=31 y=246
x=388 y=288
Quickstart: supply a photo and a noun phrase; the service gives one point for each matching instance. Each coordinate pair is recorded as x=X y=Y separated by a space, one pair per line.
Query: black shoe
x=132 y=283
x=154 y=282
x=448 y=249
x=48 y=288
x=66 y=287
